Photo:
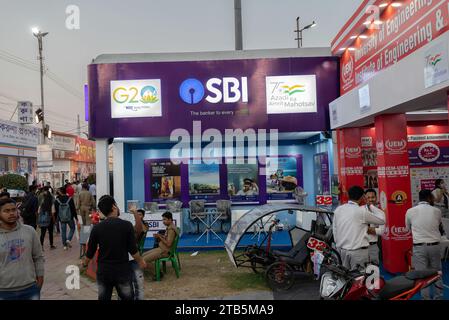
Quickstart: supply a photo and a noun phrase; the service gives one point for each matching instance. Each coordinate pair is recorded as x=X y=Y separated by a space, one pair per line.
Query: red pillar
x=394 y=188
x=350 y=164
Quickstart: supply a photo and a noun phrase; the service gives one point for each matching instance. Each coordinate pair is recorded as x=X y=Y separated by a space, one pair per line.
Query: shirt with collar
x=424 y=221
x=379 y=229
x=350 y=226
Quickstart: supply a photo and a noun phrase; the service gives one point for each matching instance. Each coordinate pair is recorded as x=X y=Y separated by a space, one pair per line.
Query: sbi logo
x=226 y=90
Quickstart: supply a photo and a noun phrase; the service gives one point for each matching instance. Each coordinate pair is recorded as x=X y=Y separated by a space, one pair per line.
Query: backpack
x=24 y=208
x=65 y=214
x=44 y=219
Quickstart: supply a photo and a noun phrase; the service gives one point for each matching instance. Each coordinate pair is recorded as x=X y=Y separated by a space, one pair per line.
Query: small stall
x=221 y=133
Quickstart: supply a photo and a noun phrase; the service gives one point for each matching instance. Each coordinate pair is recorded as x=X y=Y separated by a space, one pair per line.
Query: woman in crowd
x=46 y=217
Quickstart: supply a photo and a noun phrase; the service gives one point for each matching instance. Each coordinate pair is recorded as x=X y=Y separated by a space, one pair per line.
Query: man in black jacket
x=29 y=208
x=115 y=239
x=63 y=203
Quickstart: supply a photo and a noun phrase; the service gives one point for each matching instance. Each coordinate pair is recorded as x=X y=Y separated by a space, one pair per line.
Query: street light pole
x=299 y=31
x=40 y=35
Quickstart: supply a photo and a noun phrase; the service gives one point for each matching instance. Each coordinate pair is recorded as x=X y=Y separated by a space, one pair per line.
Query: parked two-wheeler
x=339 y=283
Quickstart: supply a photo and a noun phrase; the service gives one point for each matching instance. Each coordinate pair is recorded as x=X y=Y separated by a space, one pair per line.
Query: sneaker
x=65 y=248
x=68 y=244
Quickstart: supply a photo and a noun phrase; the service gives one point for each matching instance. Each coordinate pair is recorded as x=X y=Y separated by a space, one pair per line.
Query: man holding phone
x=21 y=258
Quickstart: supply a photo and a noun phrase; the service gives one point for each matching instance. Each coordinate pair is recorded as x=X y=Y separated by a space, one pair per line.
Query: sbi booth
x=248 y=127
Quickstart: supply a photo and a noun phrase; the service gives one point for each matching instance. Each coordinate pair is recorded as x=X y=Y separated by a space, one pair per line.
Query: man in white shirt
x=374 y=232
x=424 y=221
x=350 y=229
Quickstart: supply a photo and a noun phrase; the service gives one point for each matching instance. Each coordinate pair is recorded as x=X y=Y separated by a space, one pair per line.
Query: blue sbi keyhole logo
x=191 y=91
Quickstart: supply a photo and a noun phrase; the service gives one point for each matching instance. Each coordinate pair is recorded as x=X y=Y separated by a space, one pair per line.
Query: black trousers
x=50 y=233
x=120 y=279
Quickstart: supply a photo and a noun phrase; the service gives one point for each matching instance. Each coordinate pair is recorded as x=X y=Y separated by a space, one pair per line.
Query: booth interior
x=207 y=198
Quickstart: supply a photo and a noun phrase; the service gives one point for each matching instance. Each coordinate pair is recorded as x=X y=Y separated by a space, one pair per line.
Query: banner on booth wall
x=204 y=180
x=283 y=175
x=428 y=150
x=165 y=180
x=424 y=178
x=322 y=175
x=243 y=182
x=436 y=64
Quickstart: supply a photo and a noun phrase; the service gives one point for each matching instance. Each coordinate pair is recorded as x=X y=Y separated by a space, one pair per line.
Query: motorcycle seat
x=422 y=274
x=395 y=287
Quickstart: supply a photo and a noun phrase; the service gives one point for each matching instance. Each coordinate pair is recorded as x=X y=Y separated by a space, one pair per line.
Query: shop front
x=18 y=149
x=244 y=127
x=73 y=158
x=391 y=118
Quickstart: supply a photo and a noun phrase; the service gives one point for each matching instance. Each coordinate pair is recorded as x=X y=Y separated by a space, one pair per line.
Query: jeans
x=31 y=293
x=64 y=237
x=107 y=280
x=137 y=280
x=50 y=233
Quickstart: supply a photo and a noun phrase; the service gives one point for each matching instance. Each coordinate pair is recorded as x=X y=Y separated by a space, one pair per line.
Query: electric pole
x=40 y=35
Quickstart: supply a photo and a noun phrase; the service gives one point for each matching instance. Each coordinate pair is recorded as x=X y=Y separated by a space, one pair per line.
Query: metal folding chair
x=224 y=209
x=197 y=212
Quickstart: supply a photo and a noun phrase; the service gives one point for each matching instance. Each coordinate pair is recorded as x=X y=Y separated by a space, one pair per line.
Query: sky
x=137 y=26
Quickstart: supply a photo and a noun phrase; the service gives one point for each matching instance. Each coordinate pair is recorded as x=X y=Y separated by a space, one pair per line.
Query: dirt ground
x=206 y=275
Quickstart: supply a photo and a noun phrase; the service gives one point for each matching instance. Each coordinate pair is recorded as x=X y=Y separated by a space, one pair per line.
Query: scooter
x=339 y=283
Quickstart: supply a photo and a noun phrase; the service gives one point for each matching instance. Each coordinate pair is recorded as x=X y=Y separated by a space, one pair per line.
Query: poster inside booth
x=165 y=180
x=243 y=183
x=204 y=181
x=283 y=175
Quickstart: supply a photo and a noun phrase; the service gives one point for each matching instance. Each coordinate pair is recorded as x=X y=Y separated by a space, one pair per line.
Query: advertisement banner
x=322 y=175
x=394 y=188
x=165 y=179
x=283 y=175
x=136 y=98
x=222 y=94
x=243 y=182
x=17 y=135
x=436 y=64
x=204 y=181
x=350 y=160
x=291 y=94
x=404 y=30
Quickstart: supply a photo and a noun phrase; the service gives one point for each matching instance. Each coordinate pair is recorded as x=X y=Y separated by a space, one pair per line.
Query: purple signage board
x=154 y=98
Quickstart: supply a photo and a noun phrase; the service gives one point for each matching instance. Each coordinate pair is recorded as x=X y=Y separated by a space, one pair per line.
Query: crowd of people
x=358 y=224
x=357 y=227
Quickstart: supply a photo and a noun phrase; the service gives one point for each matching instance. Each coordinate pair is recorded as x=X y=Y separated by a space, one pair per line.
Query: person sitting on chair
x=165 y=241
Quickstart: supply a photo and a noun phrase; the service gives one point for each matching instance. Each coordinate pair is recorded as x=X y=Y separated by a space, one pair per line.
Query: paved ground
x=56 y=262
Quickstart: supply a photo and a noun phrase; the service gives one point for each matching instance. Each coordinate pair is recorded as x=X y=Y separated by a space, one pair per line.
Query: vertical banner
x=350 y=162
x=322 y=176
x=394 y=188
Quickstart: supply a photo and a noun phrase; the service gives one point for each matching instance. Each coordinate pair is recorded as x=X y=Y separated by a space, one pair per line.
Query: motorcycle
x=339 y=283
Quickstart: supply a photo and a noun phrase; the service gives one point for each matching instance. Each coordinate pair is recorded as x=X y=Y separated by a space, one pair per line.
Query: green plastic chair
x=173 y=258
x=142 y=243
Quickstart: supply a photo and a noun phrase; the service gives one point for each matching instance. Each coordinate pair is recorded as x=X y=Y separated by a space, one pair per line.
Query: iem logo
x=226 y=90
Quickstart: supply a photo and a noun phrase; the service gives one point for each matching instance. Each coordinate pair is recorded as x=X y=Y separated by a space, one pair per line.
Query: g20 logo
x=216 y=90
x=147 y=94
x=136 y=98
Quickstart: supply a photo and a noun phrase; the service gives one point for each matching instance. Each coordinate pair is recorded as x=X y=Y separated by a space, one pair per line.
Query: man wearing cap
x=250 y=188
x=350 y=229
x=425 y=222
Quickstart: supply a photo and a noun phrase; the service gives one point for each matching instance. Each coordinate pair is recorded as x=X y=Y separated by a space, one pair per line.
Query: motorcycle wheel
x=280 y=276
